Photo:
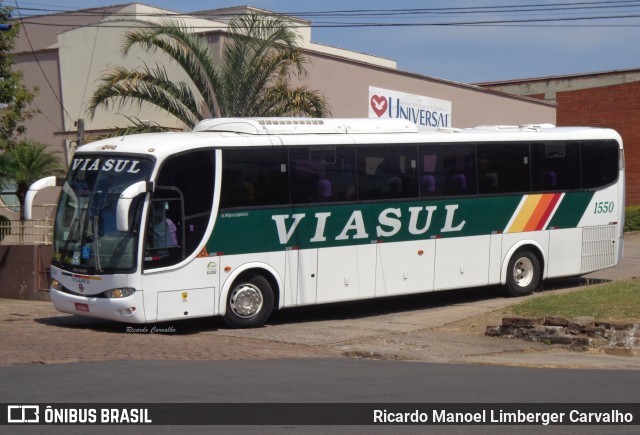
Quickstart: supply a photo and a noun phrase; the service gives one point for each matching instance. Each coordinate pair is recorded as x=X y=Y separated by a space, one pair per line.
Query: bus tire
x=523 y=273
x=249 y=303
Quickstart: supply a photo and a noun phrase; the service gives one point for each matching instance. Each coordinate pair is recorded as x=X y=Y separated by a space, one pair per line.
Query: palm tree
x=260 y=57
x=26 y=162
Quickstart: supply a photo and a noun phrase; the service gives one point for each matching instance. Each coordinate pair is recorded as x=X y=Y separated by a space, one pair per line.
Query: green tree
x=26 y=162
x=260 y=56
x=15 y=98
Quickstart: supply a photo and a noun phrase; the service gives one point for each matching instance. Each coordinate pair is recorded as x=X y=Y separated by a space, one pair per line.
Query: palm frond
x=260 y=57
x=189 y=50
x=262 y=52
x=301 y=101
x=137 y=126
x=152 y=86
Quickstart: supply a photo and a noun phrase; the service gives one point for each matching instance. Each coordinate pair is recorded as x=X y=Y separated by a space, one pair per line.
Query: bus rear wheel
x=249 y=303
x=523 y=273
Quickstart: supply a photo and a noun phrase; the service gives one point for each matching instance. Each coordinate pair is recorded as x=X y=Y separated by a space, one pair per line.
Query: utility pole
x=74 y=144
x=80 y=141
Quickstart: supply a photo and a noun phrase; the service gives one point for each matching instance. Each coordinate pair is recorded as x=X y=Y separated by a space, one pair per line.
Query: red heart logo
x=379 y=105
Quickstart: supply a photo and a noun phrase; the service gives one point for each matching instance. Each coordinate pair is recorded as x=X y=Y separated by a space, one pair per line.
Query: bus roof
x=273 y=126
x=232 y=132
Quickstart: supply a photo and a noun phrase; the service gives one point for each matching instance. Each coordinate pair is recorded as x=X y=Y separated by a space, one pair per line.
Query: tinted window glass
x=447 y=170
x=387 y=172
x=555 y=166
x=599 y=163
x=180 y=207
x=503 y=168
x=324 y=174
x=254 y=177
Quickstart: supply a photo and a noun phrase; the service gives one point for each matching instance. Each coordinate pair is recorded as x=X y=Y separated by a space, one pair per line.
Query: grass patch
x=632 y=218
x=618 y=301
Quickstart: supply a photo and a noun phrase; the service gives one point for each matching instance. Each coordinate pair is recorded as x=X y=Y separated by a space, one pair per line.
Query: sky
x=503 y=43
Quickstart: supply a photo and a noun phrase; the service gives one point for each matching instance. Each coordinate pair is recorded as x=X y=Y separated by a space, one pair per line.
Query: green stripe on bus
x=320 y=226
x=571 y=210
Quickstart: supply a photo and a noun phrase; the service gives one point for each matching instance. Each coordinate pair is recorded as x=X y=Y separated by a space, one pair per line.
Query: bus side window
x=387 y=172
x=165 y=228
x=600 y=161
x=447 y=170
x=324 y=174
x=555 y=166
x=163 y=232
x=503 y=168
x=184 y=195
x=254 y=177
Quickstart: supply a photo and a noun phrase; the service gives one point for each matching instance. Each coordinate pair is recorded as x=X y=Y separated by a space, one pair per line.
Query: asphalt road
x=310 y=355
x=313 y=381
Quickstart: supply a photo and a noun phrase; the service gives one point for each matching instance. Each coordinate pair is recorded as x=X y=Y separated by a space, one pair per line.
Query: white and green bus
x=243 y=216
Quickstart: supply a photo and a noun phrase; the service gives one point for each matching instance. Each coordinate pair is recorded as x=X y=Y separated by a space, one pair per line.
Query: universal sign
x=427 y=113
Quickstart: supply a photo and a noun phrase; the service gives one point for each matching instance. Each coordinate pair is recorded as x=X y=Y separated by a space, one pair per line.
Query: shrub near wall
x=632 y=218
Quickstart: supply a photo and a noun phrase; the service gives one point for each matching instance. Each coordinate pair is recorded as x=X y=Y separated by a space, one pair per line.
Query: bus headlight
x=55 y=284
x=118 y=293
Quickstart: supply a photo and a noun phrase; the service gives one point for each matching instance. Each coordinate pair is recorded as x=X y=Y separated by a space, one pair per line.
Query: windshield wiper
x=97 y=213
x=72 y=229
x=96 y=240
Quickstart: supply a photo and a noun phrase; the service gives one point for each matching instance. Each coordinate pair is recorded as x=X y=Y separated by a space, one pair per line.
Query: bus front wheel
x=523 y=273
x=249 y=303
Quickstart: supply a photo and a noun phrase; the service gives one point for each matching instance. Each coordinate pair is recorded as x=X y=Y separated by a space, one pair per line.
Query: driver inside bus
x=163 y=229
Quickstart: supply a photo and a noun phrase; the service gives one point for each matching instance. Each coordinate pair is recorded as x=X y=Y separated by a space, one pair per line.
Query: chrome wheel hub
x=523 y=272
x=246 y=300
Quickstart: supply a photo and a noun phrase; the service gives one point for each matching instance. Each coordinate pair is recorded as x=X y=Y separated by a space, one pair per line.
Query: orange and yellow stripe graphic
x=534 y=212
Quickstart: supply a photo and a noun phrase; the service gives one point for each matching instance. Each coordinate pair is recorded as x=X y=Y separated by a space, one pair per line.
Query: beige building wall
x=87 y=52
x=73 y=59
x=45 y=75
x=82 y=66
x=65 y=55
x=345 y=84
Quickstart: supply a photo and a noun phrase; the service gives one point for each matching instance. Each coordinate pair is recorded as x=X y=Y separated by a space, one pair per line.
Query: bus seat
x=394 y=184
x=459 y=182
x=324 y=189
x=550 y=179
x=490 y=180
x=428 y=184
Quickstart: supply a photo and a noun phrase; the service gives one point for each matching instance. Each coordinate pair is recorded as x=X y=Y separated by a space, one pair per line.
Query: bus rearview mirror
x=37 y=186
x=125 y=200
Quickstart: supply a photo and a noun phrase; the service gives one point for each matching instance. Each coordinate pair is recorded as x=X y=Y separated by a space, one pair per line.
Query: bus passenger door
x=178 y=282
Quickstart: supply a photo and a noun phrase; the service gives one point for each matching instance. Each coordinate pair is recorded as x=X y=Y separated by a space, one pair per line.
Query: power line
x=390 y=13
x=40 y=66
x=498 y=23
x=481 y=9
x=86 y=83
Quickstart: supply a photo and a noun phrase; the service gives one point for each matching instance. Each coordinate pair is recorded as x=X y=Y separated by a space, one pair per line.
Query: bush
x=5 y=229
x=632 y=218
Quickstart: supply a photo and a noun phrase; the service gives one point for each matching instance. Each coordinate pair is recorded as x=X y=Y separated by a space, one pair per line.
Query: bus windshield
x=85 y=233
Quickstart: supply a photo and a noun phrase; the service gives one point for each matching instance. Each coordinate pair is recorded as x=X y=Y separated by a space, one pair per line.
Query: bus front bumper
x=128 y=310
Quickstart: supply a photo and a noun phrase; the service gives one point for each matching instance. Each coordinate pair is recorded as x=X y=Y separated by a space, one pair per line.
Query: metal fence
x=34 y=232
x=38 y=231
